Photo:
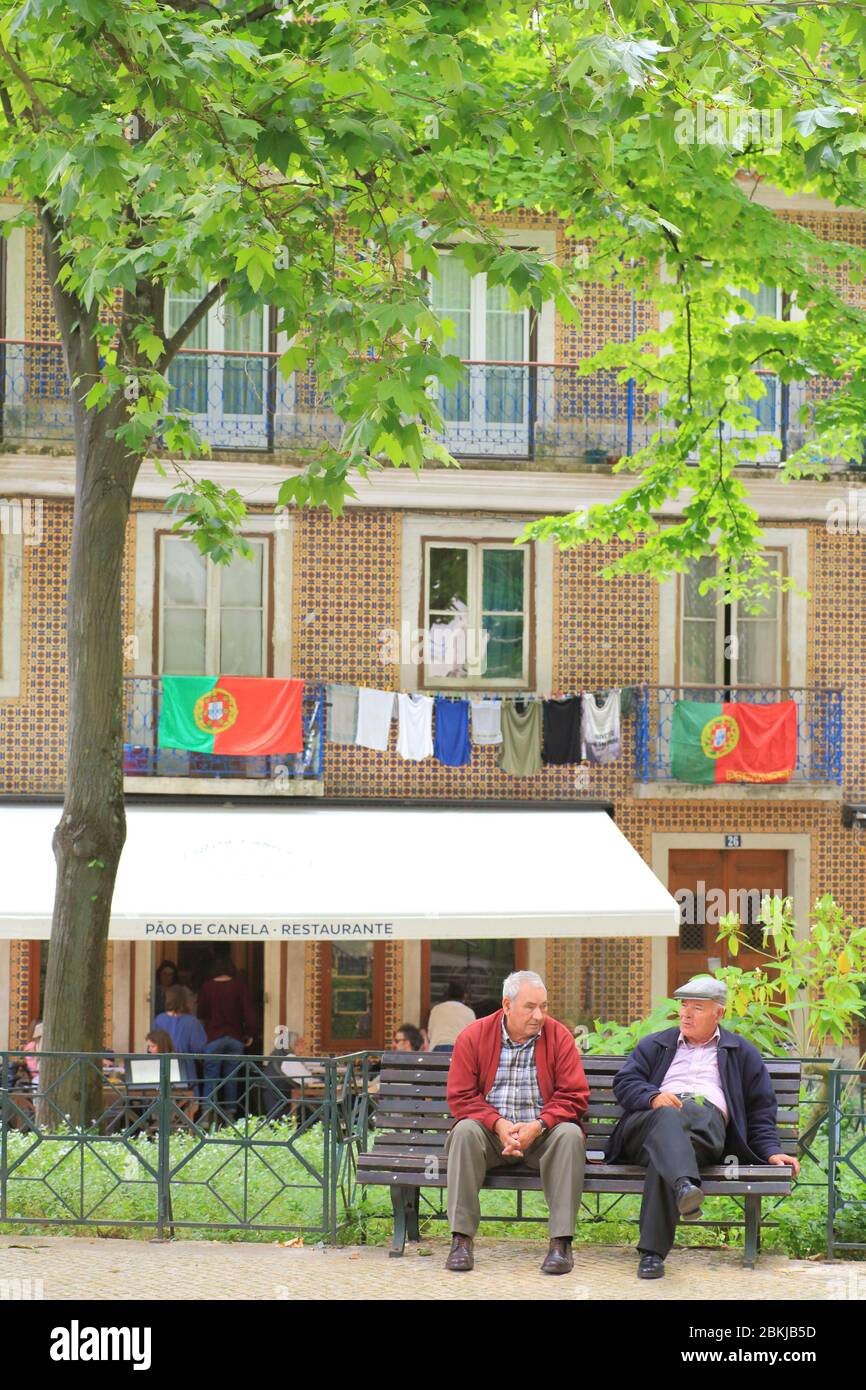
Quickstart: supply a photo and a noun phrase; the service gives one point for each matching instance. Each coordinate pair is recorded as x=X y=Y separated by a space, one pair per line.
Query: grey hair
x=511 y=984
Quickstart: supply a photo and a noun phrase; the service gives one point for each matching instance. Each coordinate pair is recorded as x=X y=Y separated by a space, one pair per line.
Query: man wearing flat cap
x=690 y=1097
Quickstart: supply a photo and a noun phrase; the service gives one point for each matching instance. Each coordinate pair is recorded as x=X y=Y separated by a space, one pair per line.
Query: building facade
x=347 y=600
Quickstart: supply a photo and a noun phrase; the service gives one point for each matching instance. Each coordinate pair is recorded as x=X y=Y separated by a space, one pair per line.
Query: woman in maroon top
x=227 y=1015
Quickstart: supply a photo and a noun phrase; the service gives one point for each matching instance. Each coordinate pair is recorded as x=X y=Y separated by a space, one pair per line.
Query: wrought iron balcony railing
x=238 y=400
x=143 y=757
x=819 y=726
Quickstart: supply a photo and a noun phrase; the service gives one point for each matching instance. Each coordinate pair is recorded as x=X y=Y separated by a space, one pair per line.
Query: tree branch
x=190 y=323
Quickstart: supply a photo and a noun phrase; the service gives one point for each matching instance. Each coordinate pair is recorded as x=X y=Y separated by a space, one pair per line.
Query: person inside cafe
x=408 y=1038
x=157 y=1042
x=691 y=1095
x=186 y=1033
x=517 y=1091
x=226 y=1011
x=448 y=1018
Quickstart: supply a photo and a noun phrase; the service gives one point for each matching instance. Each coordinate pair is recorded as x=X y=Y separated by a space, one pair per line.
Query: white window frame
x=779 y=558
x=213 y=608
x=772 y=383
x=476 y=434
x=489 y=439
x=214 y=424
x=418 y=527
x=475 y=679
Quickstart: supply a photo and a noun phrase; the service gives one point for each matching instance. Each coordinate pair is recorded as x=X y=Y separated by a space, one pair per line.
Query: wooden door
x=712 y=883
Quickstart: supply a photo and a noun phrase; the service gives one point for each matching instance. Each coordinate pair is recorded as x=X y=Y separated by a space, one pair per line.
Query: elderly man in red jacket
x=517 y=1092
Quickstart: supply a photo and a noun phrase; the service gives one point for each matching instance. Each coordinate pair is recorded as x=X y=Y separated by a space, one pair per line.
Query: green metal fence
x=846 y=1162
x=236 y=1143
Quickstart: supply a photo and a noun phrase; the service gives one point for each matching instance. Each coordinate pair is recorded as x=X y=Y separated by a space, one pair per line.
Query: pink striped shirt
x=695 y=1068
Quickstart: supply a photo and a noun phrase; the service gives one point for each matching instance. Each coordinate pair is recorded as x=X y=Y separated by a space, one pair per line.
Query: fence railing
x=846 y=1186
x=819 y=726
x=168 y=1142
x=240 y=400
x=143 y=757
x=522 y=410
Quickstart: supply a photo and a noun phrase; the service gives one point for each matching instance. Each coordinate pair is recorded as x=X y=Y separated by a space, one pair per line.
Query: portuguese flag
x=231 y=714
x=733 y=742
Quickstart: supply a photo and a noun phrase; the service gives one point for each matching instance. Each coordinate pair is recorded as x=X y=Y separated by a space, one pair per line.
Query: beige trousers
x=558 y=1156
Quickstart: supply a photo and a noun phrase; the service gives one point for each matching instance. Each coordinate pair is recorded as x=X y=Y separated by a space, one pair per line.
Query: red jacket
x=561 y=1078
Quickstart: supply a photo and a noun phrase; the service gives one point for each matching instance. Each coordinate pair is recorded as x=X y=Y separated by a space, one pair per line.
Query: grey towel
x=342 y=722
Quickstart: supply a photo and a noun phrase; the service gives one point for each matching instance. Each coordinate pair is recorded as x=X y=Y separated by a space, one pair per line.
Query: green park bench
x=412 y=1121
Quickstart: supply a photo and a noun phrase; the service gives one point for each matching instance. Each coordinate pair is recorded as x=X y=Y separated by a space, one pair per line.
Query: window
x=353 y=997
x=221 y=376
x=488 y=411
x=478 y=967
x=723 y=644
x=213 y=618
x=477 y=616
x=767 y=303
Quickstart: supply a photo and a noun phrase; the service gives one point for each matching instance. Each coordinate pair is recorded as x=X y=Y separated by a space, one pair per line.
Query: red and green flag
x=733 y=742
x=231 y=714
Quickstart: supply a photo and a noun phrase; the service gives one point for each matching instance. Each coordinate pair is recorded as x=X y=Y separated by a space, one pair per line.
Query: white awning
x=367 y=872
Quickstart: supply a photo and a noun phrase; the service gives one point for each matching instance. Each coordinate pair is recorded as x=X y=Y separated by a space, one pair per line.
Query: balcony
x=238 y=400
x=818 y=770
x=149 y=768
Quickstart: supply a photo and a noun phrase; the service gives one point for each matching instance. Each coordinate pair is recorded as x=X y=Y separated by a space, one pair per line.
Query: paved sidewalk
x=77 y=1268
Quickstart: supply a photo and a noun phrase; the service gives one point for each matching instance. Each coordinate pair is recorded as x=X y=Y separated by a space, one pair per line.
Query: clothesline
x=523 y=696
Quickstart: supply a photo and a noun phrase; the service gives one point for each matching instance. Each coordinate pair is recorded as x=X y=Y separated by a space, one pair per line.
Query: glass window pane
x=185 y=573
x=504 y=648
x=505 y=395
x=449 y=578
x=243 y=377
x=188 y=377
x=757 y=652
x=695 y=604
x=183 y=642
x=478 y=966
x=502 y=580
x=241 y=642
x=699 y=652
x=764 y=301
x=352 y=990
x=241 y=581
x=188 y=372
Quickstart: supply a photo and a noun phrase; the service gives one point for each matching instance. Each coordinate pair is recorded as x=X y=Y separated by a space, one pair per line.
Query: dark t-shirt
x=226 y=1009
x=562 y=731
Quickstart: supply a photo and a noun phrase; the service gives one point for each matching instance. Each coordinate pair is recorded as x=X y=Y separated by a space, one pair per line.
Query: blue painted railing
x=240 y=400
x=819 y=726
x=142 y=756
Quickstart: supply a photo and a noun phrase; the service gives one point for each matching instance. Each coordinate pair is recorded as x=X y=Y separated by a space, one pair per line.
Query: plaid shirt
x=515 y=1092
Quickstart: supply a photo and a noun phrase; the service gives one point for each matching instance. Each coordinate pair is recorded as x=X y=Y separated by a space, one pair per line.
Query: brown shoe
x=559 y=1258
x=460 y=1257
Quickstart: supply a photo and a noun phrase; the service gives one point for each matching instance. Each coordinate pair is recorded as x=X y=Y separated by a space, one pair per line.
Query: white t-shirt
x=415 y=729
x=375 y=709
x=486 y=722
x=447 y=1021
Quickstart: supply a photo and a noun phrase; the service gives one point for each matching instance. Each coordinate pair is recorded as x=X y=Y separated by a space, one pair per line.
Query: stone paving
x=78 y=1268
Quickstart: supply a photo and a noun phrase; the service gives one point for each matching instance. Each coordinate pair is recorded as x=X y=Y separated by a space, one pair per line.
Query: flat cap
x=703 y=987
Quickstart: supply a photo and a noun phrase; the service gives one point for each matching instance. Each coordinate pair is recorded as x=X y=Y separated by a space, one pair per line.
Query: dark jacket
x=751 y=1135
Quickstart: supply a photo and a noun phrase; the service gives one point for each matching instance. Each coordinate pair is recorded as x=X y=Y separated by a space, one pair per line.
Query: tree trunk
x=89 y=837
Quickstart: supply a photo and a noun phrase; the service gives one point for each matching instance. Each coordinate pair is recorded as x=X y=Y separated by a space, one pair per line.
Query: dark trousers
x=671 y=1144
